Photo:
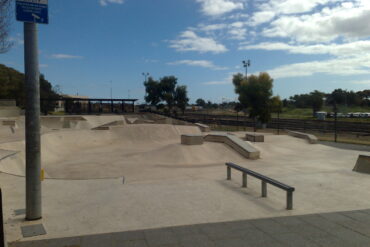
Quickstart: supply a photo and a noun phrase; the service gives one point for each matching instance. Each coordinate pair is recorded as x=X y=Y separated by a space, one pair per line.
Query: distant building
x=60 y=104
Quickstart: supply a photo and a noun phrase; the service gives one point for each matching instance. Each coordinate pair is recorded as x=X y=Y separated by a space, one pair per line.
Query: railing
x=265 y=180
x=2 y=238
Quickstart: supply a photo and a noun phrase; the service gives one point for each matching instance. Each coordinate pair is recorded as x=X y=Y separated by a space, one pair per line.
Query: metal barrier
x=2 y=237
x=265 y=180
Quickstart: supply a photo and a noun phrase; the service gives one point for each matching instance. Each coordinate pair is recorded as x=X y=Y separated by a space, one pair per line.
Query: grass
x=298 y=113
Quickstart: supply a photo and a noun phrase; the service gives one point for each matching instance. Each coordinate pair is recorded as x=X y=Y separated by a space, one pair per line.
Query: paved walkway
x=347 y=229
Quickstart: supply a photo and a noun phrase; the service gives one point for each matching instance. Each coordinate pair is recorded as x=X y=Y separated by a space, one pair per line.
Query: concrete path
x=350 y=228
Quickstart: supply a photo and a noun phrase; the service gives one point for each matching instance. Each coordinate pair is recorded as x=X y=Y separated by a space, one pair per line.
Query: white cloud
x=293 y=6
x=106 y=2
x=362 y=82
x=219 y=7
x=212 y=27
x=65 y=56
x=226 y=81
x=343 y=21
x=190 y=41
x=359 y=65
x=17 y=39
x=198 y=63
x=346 y=49
x=262 y=17
x=43 y=65
x=210 y=83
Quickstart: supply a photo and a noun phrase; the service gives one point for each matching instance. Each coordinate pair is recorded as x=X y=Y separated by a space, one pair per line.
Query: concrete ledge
x=255 y=137
x=192 y=139
x=246 y=149
x=362 y=164
x=203 y=127
x=310 y=138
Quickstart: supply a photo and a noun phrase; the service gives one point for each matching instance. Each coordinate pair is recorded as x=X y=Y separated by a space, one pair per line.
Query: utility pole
x=246 y=64
x=31 y=13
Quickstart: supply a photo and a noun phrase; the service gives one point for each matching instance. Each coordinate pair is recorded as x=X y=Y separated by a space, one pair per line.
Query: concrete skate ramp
x=362 y=164
x=129 y=149
x=80 y=122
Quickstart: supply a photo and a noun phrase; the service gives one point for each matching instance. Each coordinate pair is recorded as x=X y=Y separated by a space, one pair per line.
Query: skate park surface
x=134 y=174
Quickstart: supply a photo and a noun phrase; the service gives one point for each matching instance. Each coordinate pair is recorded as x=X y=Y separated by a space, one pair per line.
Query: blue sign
x=35 y=11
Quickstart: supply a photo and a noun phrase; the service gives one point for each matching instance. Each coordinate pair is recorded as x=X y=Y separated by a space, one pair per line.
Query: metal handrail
x=265 y=180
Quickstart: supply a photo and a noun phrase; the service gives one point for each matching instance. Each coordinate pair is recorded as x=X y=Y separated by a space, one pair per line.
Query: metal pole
x=244 y=180
x=264 y=189
x=289 y=200
x=33 y=148
x=228 y=173
x=278 y=129
x=335 y=125
x=2 y=237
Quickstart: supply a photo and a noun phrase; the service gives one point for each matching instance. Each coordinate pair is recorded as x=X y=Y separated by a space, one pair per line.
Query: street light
x=111 y=97
x=246 y=64
x=145 y=74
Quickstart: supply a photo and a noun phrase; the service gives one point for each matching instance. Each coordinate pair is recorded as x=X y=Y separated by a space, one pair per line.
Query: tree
x=338 y=96
x=200 y=102
x=316 y=101
x=152 y=92
x=5 y=44
x=255 y=93
x=12 y=87
x=166 y=90
x=181 y=97
x=167 y=87
x=276 y=105
x=238 y=107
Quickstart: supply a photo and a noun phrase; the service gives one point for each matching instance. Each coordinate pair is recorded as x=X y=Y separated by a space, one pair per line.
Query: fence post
x=278 y=123
x=264 y=189
x=228 y=173
x=335 y=125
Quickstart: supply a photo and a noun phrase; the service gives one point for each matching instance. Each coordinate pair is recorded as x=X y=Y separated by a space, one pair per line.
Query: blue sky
x=304 y=45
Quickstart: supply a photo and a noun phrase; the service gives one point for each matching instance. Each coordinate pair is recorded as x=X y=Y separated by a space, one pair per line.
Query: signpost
x=32 y=12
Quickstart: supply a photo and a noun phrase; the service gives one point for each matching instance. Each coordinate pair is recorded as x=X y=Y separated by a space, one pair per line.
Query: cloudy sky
x=304 y=45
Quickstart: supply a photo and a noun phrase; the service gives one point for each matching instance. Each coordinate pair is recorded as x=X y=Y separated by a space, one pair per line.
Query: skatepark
x=115 y=173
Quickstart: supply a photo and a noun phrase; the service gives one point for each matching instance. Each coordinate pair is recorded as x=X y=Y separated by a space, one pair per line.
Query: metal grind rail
x=264 y=181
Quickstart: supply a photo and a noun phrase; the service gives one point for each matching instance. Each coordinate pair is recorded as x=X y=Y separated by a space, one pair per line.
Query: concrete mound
x=362 y=164
x=84 y=154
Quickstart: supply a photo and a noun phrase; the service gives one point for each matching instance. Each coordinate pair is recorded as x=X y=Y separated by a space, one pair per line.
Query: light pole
x=145 y=74
x=246 y=64
x=111 y=95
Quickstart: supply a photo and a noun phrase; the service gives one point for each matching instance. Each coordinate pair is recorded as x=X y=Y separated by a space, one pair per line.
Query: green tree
x=200 y=102
x=316 y=101
x=238 y=107
x=181 y=97
x=254 y=94
x=167 y=86
x=276 y=105
x=12 y=87
x=152 y=92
